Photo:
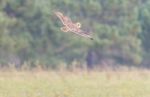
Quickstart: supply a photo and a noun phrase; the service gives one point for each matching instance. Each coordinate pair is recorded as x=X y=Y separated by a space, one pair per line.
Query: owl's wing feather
x=64 y=19
x=84 y=34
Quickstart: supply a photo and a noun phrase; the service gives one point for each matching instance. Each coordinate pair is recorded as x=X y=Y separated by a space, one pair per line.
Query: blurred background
x=30 y=33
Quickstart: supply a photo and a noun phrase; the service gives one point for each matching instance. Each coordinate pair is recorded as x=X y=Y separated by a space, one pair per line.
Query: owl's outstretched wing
x=64 y=19
x=84 y=34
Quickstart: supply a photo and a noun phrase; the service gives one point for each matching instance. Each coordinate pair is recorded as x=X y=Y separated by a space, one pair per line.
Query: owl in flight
x=72 y=27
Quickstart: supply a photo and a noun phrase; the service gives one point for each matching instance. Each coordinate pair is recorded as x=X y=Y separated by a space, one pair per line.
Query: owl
x=69 y=26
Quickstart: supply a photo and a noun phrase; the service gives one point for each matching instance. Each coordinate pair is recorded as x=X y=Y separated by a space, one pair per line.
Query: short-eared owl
x=72 y=27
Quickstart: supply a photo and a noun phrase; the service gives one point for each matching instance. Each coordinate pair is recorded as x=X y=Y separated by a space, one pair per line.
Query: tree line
x=30 y=32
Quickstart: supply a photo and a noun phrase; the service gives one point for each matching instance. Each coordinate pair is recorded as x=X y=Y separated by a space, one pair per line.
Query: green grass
x=78 y=84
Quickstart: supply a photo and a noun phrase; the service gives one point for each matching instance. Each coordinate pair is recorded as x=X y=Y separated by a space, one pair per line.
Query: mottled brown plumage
x=69 y=26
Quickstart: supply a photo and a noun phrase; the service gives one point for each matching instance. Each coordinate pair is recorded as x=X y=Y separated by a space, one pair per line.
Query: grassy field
x=78 y=84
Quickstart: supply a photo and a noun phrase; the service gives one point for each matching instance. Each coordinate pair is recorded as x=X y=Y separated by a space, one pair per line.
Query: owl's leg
x=64 y=29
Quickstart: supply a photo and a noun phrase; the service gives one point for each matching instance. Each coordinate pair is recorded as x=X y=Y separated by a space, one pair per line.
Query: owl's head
x=78 y=25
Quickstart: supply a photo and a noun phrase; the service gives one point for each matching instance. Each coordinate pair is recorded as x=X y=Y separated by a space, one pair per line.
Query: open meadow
x=135 y=83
